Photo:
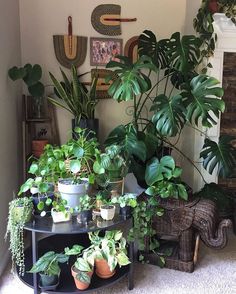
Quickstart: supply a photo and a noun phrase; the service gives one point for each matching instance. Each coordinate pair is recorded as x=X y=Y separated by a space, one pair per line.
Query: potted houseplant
x=85 y=208
x=108 y=252
x=39 y=143
x=42 y=194
x=48 y=268
x=60 y=211
x=165 y=81
x=79 y=156
x=111 y=163
x=75 y=98
x=20 y=212
x=31 y=75
x=108 y=210
x=126 y=202
x=82 y=269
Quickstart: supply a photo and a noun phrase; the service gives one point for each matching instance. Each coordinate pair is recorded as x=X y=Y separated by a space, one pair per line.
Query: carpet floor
x=215 y=273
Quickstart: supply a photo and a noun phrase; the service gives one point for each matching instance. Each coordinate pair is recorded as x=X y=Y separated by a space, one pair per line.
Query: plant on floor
x=167 y=94
x=73 y=95
x=108 y=252
x=20 y=212
x=203 y=24
x=48 y=267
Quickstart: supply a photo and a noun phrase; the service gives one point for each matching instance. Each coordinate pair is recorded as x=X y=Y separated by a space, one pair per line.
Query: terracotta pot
x=79 y=285
x=102 y=269
x=38 y=147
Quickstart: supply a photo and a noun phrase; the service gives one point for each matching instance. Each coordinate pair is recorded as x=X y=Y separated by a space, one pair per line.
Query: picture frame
x=103 y=50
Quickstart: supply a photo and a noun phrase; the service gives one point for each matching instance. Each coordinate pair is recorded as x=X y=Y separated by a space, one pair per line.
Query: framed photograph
x=103 y=50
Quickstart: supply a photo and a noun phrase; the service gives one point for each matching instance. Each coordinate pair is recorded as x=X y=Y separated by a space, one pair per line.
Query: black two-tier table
x=59 y=236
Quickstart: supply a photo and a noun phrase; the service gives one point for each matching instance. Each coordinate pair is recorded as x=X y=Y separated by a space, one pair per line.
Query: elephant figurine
x=183 y=219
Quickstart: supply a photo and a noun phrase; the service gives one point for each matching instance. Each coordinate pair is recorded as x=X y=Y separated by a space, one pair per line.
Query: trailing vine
x=20 y=211
x=203 y=24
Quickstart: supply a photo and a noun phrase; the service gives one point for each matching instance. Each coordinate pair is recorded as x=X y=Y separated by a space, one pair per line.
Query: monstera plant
x=167 y=94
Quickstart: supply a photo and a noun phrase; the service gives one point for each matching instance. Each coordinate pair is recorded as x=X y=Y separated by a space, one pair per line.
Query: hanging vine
x=203 y=24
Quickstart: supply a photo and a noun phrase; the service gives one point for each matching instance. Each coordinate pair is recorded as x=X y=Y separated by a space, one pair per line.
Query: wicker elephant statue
x=183 y=219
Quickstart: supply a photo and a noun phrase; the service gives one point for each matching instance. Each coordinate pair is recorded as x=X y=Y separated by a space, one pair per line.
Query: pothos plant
x=203 y=24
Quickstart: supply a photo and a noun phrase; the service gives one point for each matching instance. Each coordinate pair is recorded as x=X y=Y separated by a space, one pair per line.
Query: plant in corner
x=48 y=268
x=74 y=97
x=20 y=212
x=167 y=95
x=31 y=75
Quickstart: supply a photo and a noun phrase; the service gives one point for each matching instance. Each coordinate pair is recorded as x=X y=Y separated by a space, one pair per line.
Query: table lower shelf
x=58 y=243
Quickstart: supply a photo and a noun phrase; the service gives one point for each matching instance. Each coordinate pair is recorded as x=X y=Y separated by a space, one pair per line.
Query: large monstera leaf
x=130 y=81
x=204 y=102
x=221 y=156
x=169 y=114
x=184 y=53
x=148 y=45
x=126 y=137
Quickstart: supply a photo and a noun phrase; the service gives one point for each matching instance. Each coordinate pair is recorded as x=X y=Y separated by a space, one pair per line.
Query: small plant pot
x=85 y=216
x=38 y=147
x=125 y=211
x=48 y=281
x=102 y=269
x=21 y=213
x=108 y=212
x=59 y=216
x=72 y=192
x=80 y=285
x=41 y=198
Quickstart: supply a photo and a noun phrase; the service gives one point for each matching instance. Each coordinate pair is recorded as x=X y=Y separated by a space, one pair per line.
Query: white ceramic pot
x=108 y=212
x=59 y=217
x=72 y=192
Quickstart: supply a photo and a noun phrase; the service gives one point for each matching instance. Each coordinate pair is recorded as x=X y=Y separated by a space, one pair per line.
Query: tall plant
x=165 y=78
x=74 y=96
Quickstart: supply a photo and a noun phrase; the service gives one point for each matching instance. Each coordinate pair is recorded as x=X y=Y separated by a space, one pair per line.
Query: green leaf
x=182 y=191
x=149 y=46
x=122 y=259
x=202 y=105
x=158 y=170
x=16 y=73
x=130 y=80
x=82 y=265
x=169 y=116
x=75 y=166
x=220 y=157
x=83 y=277
x=43 y=187
x=48 y=201
x=184 y=53
x=40 y=205
x=36 y=90
x=79 y=152
x=33 y=168
x=75 y=250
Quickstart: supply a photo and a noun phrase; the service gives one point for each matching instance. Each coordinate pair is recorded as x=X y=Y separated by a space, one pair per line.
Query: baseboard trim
x=4 y=261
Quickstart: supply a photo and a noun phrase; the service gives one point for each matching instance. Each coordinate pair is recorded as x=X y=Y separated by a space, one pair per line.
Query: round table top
x=46 y=225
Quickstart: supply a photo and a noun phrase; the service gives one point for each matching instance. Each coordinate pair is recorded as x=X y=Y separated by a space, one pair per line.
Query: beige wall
x=9 y=122
x=40 y=19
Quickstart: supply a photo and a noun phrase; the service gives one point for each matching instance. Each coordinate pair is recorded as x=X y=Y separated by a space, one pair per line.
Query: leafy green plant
x=48 y=264
x=31 y=75
x=20 y=211
x=73 y=95
x=111 y=163
x=86 y=203
x=203 y=24
x=163 y=179
x=128 y=199
x=111 y=247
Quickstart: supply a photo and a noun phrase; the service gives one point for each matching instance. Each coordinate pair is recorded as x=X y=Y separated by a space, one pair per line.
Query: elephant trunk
x=219 y=240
